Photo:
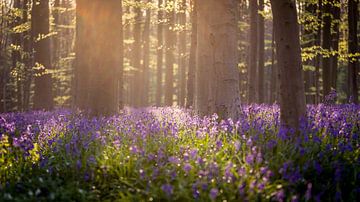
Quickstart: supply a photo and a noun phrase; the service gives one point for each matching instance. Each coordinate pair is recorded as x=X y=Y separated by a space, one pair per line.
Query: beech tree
x=40 y=27
x=190 y=86
x=292 y=93
x=217 y=80
x=353 y=12
x=170 y=43
x=252 y=68
x=160 y=54
x=99 y=55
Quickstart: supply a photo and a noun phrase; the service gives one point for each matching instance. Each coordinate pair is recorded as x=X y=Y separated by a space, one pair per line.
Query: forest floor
x=169 y=154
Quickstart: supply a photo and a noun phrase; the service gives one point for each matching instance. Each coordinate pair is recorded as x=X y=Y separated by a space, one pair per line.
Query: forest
x=179 y=100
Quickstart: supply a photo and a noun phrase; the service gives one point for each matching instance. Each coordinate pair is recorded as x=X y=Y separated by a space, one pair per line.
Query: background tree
x=252 y=72
x=217 y=74
x=353 y=17
x=40 y=27
x=292 y=94
x=102 y=62
x=190 y=98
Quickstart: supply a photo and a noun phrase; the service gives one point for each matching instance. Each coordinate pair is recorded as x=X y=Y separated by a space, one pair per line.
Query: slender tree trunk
x=318 y=57
x=252 y=71
x=40 y=25
x=146 y=56
x=292 y=93
x=309 y=37
x=16 y=58
x=169 y=55
x=190 y=100
x=217 y=71
x=27 y=59
x=182 y=53
x=160 y=54
x=335 y=37
x=101 y=26
x=82 y=49
x=326 y=45
x=261 y=51
x=138 y=81
x=274 y=71
x=353 y=17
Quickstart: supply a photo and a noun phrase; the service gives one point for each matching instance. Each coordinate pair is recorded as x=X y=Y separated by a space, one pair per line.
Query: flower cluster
x=171 y=154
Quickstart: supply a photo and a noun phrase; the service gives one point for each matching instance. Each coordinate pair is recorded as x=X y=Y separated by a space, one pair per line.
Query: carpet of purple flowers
x=160 y=154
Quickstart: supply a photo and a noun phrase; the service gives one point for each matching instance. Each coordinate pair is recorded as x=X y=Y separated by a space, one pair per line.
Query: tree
x=182 y=53
x=292 y=93
x=160 y=54
x=353 y=17
x=16 y=57
x=170 y=43
x=98 y=55
x=252 y=69
x=136 y=59
x=40 y=26
x=217 y=80
x=146 y=56
x=261 y=52
x=192 y=60
x=326 y=45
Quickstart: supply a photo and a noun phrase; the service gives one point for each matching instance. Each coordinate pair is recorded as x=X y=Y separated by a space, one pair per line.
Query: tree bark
x=160 y=54
x=217 y=71
x=99 y=27
x=182 y=53
x=292 y=94
x=261 y=51
x=40 y=26
x=190 y=98
x=169 y=54
x=136 y=60
x=353 y=17
x=274 y=71
x=146 y=56
x=16 y=58
x=27 y=60
x=252 y=70
x=335 y=37
x=326 y=45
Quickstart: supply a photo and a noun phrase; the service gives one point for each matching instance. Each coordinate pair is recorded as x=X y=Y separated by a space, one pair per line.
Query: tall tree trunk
x=326 y=45
x=136 y=59
x=252 y=69
x=261 y=51
x=40 y=26
x=190 y=98
x=169 y=54
x=182 y=53
x=217 y=71
x=160 y=54
x=56 y=45
x=292 y=93
x=309 y=37
x=27 y=59
x=318 y=57
x=335 y=36
x=274 y=71
x=101 y=28
x=146 y=56
x=353 y=18
x=16 y=58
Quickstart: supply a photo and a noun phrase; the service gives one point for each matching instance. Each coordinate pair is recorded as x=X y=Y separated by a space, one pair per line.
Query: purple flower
x=187 y=167
x=280 y=195
x=214 y=192
x=308 y=192
x=168 y=189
